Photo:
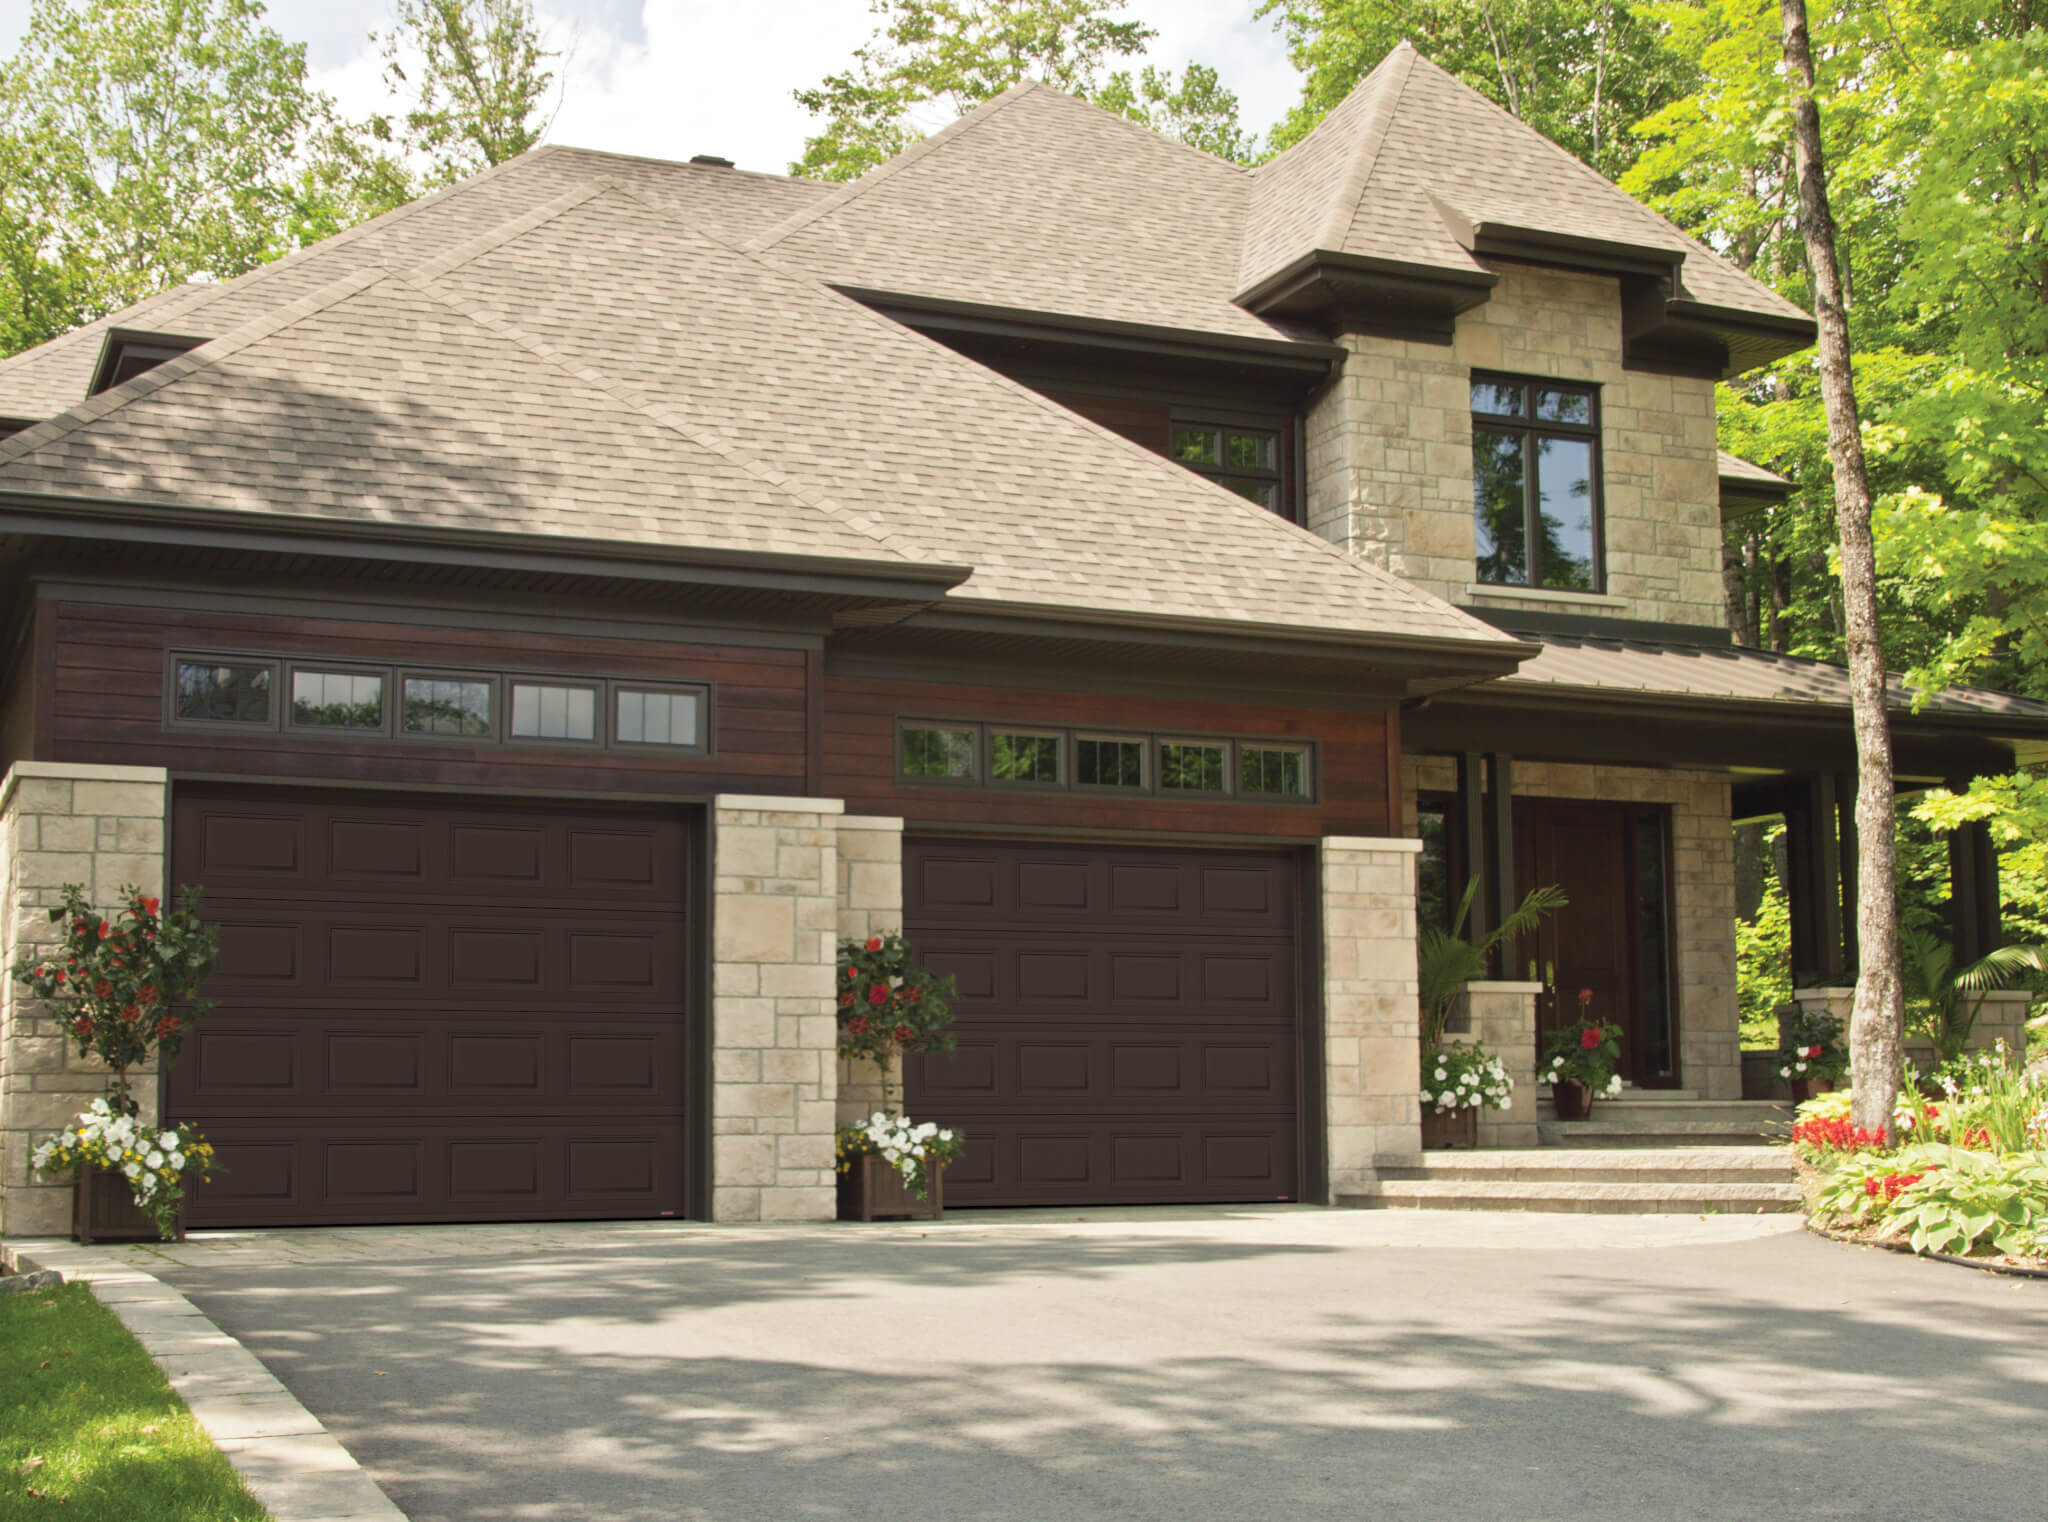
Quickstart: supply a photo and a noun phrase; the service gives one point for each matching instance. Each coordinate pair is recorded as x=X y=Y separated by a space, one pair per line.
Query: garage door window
x=224 y=692
x=452 y=707
x=544 y=712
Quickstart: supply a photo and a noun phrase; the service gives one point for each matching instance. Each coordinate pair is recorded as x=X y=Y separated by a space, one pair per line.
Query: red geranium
x=81 y=1027
x=874 y=943
x=1585 y=996
x=902 y=1006
x=858 y=1025
x=878 y=993
x=1588 y=1040
x=903 y=1035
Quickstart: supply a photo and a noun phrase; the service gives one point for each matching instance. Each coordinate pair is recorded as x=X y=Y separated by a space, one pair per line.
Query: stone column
x=774 y=940
x=1371 y=1015
x=870 y=903
x=1502 y=1018
x=101 y=827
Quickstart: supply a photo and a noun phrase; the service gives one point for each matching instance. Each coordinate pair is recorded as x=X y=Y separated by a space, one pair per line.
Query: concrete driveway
x=1168 y=1364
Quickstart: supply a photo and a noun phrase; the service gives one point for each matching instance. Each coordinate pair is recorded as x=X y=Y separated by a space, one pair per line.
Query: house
x=545 y=618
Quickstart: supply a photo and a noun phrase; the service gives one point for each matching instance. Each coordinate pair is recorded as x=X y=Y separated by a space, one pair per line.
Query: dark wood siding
x=17 y=693
x=860 y=761
x=1142 y=422
x=107 y=703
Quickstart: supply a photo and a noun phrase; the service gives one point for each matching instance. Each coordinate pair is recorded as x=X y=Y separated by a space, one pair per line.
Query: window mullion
x=1532 y=507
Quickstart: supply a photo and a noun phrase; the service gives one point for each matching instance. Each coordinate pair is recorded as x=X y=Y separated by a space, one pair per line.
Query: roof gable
x=1042 y=202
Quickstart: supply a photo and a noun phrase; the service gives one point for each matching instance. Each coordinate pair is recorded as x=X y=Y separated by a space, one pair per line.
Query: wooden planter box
x=871 y=1190
x=1450 y=1128
x=103 y=1209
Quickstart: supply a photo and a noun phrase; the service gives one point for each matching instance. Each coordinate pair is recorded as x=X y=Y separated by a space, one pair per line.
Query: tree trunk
x=1876 y=1027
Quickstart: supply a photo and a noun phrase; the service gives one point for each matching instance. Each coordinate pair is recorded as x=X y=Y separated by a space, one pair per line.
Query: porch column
x=1372 y=1043
x=1973 y=908
x=1470 y=835
x=774 y=1025
x=1501 y=855
x=103 y=828
x=1813 y=862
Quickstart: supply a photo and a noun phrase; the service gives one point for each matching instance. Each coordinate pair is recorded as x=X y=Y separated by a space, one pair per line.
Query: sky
x=672 y=78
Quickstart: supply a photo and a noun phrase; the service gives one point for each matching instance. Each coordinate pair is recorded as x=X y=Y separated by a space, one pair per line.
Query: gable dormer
x=128 y=352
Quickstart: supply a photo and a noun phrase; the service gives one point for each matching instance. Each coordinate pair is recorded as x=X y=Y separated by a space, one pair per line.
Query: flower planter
x=1574 y=1101
x=103 y=1209
x=1804 y=1089
x=871 y=1190
x=1450 y=1128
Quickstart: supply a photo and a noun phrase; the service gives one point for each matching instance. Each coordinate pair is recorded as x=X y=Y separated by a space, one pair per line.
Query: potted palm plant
x=1460 y=1080
x=1944 y=998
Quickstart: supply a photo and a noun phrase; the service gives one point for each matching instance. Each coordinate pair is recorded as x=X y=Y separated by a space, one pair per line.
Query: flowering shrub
x=890 y=1002
x=1465 y=1077
x=154 y=1162
x=1586 y=1052
x=1813 y=1049
x=910 y=1149
x=124 y=986
x=1818 y=1136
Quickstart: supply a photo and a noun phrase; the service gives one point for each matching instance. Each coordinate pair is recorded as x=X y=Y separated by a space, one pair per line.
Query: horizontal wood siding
x=107 y=704
x=860 y=762
x=1142 y=422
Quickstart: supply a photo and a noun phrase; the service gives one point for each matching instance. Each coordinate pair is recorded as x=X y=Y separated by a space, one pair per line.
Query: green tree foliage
x=1582 y=72
x=1763 y=966
x=931 y=60
x=143 y=142
x=478 y=75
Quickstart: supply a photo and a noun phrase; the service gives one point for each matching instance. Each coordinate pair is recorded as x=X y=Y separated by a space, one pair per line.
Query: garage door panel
x=1126 y=1020
x=434 y=1008
x=388 y=1170
x=1049 y=976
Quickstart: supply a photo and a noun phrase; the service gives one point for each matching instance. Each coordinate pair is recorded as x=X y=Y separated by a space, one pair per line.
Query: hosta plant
x=1464 y=1077
x=890 y=1002
x=124 y=985
x=156 y=1162
x=912 y=1149
x=1858 y=1188
x=1976 y=1202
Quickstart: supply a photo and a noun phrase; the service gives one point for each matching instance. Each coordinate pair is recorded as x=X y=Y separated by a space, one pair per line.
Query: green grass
x=90 y=1429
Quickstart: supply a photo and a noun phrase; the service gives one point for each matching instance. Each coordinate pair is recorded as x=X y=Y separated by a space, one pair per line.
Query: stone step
x=1663 y=1165
x=1652 y=1112
x=1578 y=1197
x=1655 y=1096
x=1599 y=1134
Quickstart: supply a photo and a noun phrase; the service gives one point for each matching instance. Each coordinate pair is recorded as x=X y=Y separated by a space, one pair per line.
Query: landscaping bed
x=1962 y=1176
x=89 y=1427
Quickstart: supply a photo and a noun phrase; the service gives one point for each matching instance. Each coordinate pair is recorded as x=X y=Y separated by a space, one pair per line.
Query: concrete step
x=1655 y=1096
x=1644 y=1165
x=1659 y=1111
x=1578 y=1197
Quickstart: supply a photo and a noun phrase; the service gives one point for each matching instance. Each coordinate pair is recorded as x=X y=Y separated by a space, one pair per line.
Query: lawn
x=90 y=1429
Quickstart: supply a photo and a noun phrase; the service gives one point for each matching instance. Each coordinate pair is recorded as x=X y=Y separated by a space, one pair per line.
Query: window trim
x=1149 y=742
x=1062 y=758
x=174 y=720
x=608 y=719
x=1281 y=425
x=1530 y=427
x=292 y=667
x=1286 y=747
x=494 y=680
x=973 y=728
x=595 y=686
x=1143 y=786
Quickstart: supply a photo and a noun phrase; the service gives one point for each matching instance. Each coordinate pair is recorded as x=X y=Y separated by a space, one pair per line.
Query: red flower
x=1585 y=996
x=131 y=1013
x=913 y=994
x=81 y=1028
x=846 y=998
x=1588 y=1039
x=60 y=975
x=858 y=1025
x=903 y=1035
x=147 y=993
x=874 y=943
x=878 y=994
x=853 y=972
x=150 y=905
x=105 y=930
x=167 y=1027
x=102 y=990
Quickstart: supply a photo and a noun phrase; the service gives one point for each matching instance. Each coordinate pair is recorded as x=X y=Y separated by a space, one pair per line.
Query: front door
x=1613 y=939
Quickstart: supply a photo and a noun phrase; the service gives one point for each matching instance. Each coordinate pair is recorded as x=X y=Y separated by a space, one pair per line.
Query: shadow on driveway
x=1273 y=1371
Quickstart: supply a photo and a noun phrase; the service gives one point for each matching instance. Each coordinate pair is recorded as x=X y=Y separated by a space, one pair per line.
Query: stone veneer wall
x=1371 y=1016
x=102 y=827
x=1389 y=450
x=1703 y=875
x=870 y=903
x=1502 y=1018
x=2001 y=1016
x=774 y=1034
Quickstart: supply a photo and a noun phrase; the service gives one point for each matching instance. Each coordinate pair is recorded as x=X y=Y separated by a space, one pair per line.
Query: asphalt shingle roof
x=601 y=368
x=1736 y=471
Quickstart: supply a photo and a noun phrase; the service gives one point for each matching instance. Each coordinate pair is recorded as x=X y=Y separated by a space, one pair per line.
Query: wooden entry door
x=1612 y=939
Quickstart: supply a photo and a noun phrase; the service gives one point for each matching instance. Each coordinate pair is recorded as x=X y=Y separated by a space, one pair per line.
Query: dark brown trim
x=1532 y=430
x=1312 y=1036
x=1594 y=626
x=1396 y=825
x=698 y=1042
x=814 y=722
x=120 y=342
x=45 y=696
x=1353 y=292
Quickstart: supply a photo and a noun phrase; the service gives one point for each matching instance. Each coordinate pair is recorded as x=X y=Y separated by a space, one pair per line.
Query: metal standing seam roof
x=601 y=367
x=1738 y=673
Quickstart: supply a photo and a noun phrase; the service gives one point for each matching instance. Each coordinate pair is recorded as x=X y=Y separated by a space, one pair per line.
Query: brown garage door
x=434 y=1008
x=1126 y=1026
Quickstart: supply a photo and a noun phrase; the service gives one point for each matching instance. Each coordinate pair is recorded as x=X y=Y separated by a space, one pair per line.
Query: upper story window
x=1245 y=459
x=1536 y=483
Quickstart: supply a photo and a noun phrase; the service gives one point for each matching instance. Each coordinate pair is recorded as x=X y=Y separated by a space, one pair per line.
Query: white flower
x=1557 y=1062
x=155 y=1159
x=169 y=1140
x=1800 y=1065
x=131 y=1169
x=1441 y=1075
x=1784 y=1072
x=1614 y=1084
x=178 y=1161
x=1427 y=1098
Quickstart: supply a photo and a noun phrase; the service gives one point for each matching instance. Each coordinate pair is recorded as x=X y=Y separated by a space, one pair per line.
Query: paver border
x=289 y=1461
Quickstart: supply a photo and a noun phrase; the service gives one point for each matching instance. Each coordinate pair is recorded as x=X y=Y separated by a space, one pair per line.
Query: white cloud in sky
x=669 y=78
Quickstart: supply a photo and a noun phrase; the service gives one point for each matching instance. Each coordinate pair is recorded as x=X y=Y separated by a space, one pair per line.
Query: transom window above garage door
x=342 y=699
x=993 y=754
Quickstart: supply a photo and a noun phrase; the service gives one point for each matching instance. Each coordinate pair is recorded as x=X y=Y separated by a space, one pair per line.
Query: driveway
x=1291 y=1363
